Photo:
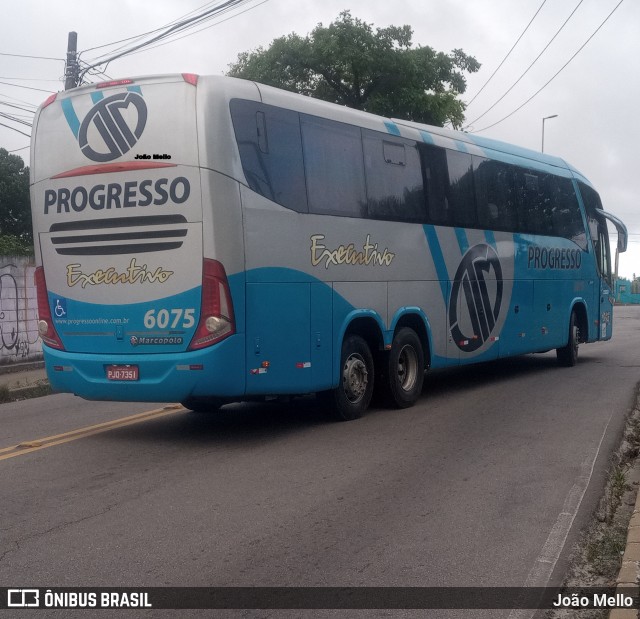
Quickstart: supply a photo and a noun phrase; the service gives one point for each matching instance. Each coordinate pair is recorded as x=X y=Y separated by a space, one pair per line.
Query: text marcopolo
x=117 y=195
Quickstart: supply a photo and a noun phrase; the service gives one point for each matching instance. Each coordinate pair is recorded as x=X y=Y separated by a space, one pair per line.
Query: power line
x=25 y=56
x=180 y=26
x=508 y=53
x=28 y=79
x=27 y=87
x=139 y=36
x=17 y=130
x=19 y=100
x=17 y=107
x=566 y=64
x=566 y=21
x=184 y=36
x=15 y=119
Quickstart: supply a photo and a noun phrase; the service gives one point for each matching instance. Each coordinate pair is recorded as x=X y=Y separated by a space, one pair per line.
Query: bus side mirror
x=620 y=227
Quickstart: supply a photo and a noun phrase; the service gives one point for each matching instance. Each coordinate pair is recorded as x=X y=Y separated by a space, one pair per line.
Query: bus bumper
x=173 y=377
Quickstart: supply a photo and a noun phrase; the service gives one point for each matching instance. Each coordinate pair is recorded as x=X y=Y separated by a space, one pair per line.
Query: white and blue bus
x=208 y=240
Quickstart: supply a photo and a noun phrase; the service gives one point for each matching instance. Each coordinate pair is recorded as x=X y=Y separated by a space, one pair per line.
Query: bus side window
x=436 y=182
x=461 y=189
x=566 y=216
x=270 y=149
x=334 y=167
x=448 y=177
x=495 y=195
x=534 y=202
x=395 y=189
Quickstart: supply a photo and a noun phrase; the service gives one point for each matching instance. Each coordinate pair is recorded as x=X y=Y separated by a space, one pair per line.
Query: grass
x=604 y=552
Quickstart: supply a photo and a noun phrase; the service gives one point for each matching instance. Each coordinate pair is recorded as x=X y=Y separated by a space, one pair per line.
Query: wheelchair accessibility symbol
x=60 y=310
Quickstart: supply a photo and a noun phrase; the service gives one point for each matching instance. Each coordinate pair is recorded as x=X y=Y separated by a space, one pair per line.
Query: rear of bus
x=134 y=303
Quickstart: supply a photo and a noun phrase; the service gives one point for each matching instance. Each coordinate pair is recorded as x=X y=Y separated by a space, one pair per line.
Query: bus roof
x=226 y=87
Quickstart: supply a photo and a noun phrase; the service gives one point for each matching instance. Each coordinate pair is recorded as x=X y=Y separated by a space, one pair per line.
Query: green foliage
x=379 y=71
x=15 y=210
x=11 y=245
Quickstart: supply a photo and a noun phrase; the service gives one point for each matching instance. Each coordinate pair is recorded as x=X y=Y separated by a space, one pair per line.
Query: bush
x=14 y=246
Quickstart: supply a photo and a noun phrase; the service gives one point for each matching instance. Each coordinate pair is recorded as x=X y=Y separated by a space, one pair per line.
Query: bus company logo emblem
x=108 y=131
x=477 y=295
x=162 y=340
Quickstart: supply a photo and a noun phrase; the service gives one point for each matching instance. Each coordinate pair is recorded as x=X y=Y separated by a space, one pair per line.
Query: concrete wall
x=19 y=340
x=626 y=292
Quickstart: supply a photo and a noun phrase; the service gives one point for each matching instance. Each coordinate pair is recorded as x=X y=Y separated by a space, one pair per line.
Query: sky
x=595 y=97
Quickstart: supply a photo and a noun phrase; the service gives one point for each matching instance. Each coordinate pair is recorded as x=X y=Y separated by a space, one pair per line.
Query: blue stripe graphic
x=70 y=115
x=463 y=242
x=490 y=238
x=438 y=259
x=392 y=127
x=461 y=146
x=427 y=138
x=97 y=96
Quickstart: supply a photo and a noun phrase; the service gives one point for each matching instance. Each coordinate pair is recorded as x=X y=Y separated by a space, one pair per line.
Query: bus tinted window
x=271 y=152
x=449 y=181
x=311 y=164
x=565 y=210
x=495 y=195
x=534 y=202
x=334 y=167
x=394 y=178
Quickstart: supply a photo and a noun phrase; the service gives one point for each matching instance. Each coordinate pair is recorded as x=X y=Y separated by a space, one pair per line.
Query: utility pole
x=72 y=68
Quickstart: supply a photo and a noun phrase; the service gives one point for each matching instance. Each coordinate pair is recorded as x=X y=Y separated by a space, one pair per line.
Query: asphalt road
x=485 y=482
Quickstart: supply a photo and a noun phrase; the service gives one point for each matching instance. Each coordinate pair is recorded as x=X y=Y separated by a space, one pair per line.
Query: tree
x=377 y=71
x=16 y=235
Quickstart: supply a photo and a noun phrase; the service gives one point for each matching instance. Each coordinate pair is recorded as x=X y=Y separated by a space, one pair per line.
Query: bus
x=207 y=240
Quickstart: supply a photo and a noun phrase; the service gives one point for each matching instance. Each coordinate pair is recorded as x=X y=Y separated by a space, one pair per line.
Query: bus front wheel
x=405 y=370
x=351 y=398
x=568 y=355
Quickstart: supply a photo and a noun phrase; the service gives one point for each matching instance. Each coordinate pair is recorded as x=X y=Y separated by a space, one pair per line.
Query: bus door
x=603 y=256
x=603 y=288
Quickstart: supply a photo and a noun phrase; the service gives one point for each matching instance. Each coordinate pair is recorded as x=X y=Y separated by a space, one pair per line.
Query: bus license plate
x=122 y=372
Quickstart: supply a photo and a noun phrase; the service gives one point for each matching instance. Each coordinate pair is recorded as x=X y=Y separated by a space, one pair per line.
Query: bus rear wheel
x=405 y=370
x=351 y=398
x=568 y=355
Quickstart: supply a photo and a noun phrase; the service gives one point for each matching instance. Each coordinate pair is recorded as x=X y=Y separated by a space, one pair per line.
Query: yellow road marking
x=58 y=439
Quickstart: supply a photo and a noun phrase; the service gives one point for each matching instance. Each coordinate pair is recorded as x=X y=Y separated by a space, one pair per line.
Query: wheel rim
x=576 y=340
x=407 y=368
x=355 y=378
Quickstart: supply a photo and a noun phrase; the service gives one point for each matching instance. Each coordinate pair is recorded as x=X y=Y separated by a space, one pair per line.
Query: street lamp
x=546 y=118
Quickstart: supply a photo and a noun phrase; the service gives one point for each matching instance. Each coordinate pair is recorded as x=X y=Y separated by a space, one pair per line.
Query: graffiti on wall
x=19 y=339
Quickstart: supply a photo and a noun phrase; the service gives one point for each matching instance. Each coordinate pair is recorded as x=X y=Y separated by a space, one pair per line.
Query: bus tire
x=405 y=370
x=203 y=404
x=568 y=354
x=351 y=398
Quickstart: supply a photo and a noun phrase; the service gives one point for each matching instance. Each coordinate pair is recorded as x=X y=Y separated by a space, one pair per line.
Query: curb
x=32 y=391
x=629 y=575
x=14 y=368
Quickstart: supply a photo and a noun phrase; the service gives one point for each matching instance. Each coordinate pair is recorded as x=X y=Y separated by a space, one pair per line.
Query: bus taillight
x=45 y=323
x=216 y=310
